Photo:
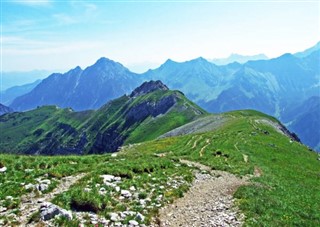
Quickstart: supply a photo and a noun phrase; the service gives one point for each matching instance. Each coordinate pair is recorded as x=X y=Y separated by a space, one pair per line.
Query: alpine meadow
x=160 y=113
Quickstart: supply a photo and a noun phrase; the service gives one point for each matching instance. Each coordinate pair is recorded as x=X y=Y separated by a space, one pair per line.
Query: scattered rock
x=102 y=191
x=42 y=187
x=2 y=209
x=28 y=170
x=107 y=178
x=114 y=217
x=140 y=217
x=126 y=193
x=132 y=188
x=117 y=179
x=45 y=181
x=9 y=197
x=133 y=222
x=29 y=186
x=113 y=185
x=3 y=169
x=49 y=211
x=114 y=155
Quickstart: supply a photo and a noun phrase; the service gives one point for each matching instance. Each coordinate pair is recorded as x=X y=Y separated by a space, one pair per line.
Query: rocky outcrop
x=148 y=87
x=143 y=110
x=50 y=210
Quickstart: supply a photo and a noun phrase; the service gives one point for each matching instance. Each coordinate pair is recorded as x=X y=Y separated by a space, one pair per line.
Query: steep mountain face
x=4 y=109
x=304 y=120
x=81 y=89
x=11 y=93
x=148 y=112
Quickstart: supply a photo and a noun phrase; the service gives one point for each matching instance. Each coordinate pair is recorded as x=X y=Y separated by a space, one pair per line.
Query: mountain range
x=238 y=58
x=8 y=95
x=148 y=112
x=275 y=87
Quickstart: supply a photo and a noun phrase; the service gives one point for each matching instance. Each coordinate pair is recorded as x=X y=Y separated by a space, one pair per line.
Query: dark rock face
x=148 y=87
x=143 y=110
x=4 y=109
x=111 y=139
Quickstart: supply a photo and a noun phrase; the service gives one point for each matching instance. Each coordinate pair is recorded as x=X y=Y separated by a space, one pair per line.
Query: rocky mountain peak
x=106 y=62
x=148 y=87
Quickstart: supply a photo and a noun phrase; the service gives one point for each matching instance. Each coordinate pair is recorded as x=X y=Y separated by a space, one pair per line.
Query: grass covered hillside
x=150 y=111
x=282 y=176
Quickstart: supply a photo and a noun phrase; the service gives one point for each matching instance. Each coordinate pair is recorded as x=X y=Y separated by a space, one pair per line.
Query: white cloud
x=64 y=19
x=19 y=46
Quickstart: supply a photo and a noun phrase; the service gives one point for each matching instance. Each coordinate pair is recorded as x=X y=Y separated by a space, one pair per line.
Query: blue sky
x=59 y=35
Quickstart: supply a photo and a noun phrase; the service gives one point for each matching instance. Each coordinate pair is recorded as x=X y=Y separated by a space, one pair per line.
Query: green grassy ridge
x=286 y=193
x=48 y=129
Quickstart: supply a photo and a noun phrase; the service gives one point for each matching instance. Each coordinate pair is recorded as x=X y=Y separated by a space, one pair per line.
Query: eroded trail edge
x=31 y=203
x=209 y=202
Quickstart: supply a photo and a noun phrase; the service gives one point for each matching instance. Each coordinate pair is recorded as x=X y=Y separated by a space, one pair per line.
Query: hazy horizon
x=59 y=35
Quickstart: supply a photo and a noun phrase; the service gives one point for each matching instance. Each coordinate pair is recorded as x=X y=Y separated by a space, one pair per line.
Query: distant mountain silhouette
x=81 y=89
x=272 y=86
x=238 y=58
x=11 y=93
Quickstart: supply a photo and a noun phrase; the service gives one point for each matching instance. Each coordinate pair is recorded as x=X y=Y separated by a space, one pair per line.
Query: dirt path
x=31 y=203
x=195 y=142
x=204 y=147
x=209 y=201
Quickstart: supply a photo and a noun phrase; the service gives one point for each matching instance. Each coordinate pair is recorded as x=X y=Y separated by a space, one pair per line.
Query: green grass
x=286 y=193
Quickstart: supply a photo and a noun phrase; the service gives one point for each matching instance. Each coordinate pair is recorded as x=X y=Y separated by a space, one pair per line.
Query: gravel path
x=209 y=201
x=31 y=203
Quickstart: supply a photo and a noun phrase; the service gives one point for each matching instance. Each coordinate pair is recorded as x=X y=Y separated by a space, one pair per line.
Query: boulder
x=114 y=217
x=29 y=186
x=50 y=210
x=3 y=169
x=42 y=187
x=133 y=223
x=140 y=217
x=126 y=193
x=107 y=178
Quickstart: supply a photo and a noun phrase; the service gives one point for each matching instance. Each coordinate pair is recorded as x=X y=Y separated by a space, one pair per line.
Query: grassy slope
x=21 y=131
x=286 y=194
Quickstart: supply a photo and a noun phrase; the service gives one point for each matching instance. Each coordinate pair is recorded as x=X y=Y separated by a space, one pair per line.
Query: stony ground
x=31 y=203
x=209 y=201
